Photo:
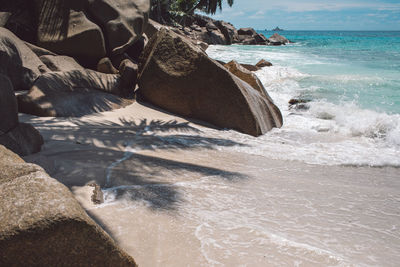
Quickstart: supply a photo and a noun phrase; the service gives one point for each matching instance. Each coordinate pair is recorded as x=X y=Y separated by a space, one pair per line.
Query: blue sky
x=313 y=14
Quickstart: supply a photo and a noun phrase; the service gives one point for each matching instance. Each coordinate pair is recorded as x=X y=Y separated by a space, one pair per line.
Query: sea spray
x=352 y=114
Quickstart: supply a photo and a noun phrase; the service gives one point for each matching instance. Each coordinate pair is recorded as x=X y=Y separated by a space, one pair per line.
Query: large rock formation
x=123 y=21
x=74 y=93
x=21 y=138
x=248 y=36
x=229 y=31
x=18 y=62
x=41 y=223
x=179 y=77
x=64 y=29
x=86 y=30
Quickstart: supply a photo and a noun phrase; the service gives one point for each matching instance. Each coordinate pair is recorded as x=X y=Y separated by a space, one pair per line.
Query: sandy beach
x=177 y=195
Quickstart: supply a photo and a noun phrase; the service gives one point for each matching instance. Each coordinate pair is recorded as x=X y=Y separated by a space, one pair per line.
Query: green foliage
x=211 y=6
x=170 y=11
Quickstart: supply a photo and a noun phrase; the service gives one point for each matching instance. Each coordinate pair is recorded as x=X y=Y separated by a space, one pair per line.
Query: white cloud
x=258 y=15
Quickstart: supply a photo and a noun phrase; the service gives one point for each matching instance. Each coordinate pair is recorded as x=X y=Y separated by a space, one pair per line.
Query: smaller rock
x=22 y=140
x=250 y=67
x=97 y=196
x=129 y=74
x=295 y=101
x=277 y=39
x=299 y=104
x=261 y=39
x=117 y=59
x=263 y=63
x=105 y=66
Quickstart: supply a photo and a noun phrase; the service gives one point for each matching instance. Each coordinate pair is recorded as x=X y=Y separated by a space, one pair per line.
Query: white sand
x=187 y=201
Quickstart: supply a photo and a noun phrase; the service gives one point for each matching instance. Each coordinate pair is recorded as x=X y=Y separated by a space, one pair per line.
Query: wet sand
x=176 y=195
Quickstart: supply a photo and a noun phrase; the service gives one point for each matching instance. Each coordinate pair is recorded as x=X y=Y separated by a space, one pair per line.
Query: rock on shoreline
x=42 y=224
x=204 y=29
x=74 y=58
x=179 y=77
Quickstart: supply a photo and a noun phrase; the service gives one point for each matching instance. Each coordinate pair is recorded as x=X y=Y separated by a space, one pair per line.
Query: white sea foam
x=324 y=131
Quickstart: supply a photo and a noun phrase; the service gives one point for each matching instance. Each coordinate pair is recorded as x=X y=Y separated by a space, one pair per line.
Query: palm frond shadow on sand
x=141 y=177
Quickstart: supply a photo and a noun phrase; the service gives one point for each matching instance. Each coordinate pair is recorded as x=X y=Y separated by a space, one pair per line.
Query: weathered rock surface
x=129 y=74
x=8 y=106
x=263 y=63
x=210 y=37
x=250 y=67
x=39 y=51
x=18 y=62
x=179 y=77
x=63 y=28
x=228 y=30
x=123 y=21
x=73 y=93
x=17 y=17
x=277 y=39
x=60 y=63
x=248 y=36
x=247 y=76
x=24 y=139
x=21 y=138
x=247 y=31
x=4 y=16
x=105 y=66
x=86 y=30
x=153 y=27
x=41 y=223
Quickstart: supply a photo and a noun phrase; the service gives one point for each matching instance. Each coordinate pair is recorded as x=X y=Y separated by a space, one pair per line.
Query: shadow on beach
x=84 y=151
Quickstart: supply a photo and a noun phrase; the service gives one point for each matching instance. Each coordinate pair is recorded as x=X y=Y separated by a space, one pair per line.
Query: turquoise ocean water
x=352 y=79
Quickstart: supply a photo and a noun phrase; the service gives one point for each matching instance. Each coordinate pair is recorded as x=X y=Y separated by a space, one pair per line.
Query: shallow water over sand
x=184 y=196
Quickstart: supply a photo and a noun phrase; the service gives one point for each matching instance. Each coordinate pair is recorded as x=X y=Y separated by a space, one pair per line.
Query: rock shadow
x=151 y=179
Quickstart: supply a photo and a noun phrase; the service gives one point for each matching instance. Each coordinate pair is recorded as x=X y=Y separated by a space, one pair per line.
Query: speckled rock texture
x=21 y=138
x=122 y=21
x=179 y=77
x=247 y=76
x=18 y=62
x=41 y=223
